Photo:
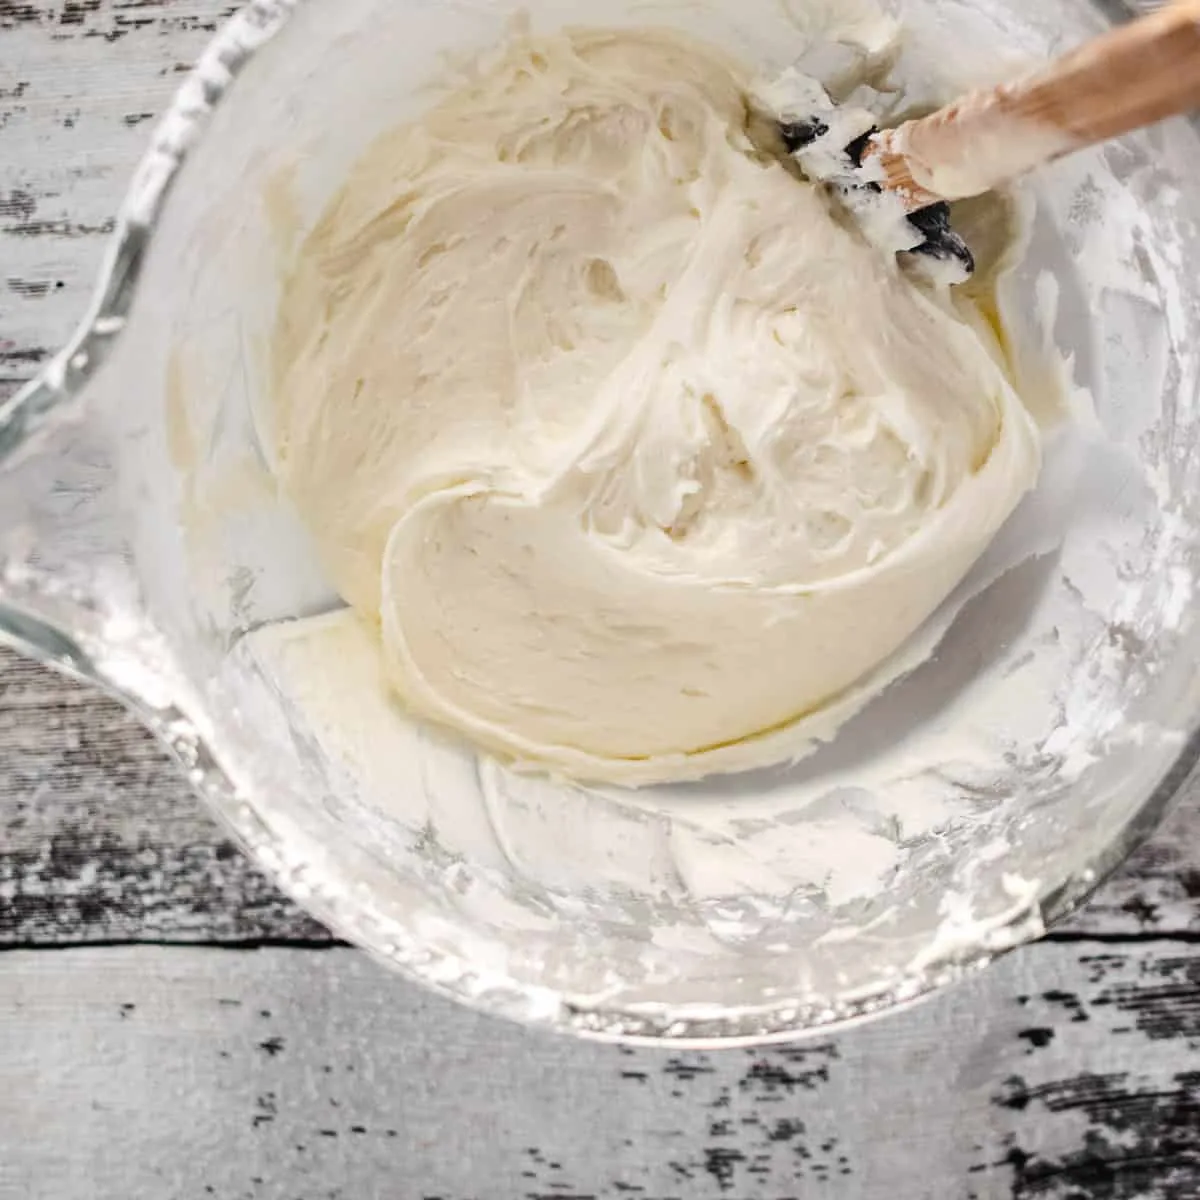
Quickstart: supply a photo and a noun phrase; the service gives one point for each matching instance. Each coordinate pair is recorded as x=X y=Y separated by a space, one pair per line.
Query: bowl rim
x=63 y=379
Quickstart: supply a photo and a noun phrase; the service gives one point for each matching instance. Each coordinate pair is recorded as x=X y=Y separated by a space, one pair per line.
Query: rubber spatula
x=1132 y=76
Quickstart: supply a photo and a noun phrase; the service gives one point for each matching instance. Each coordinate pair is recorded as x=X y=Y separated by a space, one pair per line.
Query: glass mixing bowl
x=144 y=548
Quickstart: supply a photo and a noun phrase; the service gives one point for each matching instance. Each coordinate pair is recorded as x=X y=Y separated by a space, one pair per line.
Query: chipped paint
x=314 y=1076
x=101 y=839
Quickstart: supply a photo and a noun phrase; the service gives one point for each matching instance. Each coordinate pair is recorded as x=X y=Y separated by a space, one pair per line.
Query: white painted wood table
x=170 y=1027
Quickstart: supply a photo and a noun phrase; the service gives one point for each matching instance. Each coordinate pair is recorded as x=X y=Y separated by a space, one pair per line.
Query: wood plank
x=79 y=83
x=291 y=1075
x=101 y=840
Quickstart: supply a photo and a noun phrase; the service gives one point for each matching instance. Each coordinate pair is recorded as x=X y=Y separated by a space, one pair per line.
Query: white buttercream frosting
x=638 y=456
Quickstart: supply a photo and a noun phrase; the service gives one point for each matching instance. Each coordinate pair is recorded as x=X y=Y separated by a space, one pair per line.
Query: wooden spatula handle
x=1134 y=75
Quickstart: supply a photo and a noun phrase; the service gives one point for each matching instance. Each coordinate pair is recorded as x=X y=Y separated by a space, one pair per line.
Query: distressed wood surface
x=102 y=840
x=298 y=1070
x=78 y=82
x=300 y=1075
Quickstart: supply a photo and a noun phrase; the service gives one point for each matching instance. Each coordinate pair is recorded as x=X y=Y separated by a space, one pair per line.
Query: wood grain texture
x=79 y=81
x=181 y=1074
x=99 y=837
x=102 y=840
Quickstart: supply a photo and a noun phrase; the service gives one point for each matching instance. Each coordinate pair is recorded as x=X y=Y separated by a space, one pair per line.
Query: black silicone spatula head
x=933 y=239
